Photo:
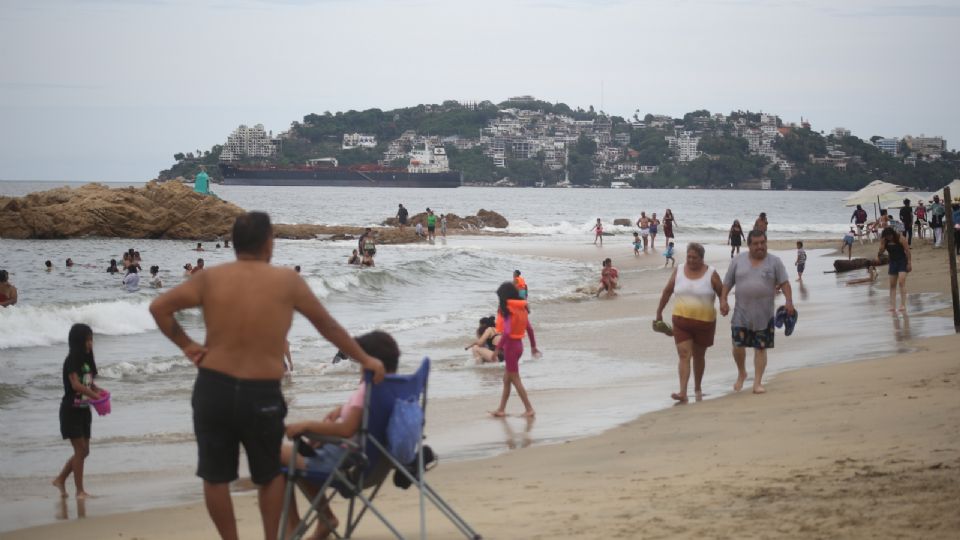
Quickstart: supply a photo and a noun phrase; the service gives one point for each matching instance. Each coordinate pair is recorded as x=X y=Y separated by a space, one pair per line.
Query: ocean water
x=429 y=296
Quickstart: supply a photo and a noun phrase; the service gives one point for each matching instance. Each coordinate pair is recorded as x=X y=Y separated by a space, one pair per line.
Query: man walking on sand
x=757 y=276
x=236 y=396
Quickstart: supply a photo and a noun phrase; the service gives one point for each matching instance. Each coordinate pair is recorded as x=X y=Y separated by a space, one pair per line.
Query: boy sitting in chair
x=343 y=422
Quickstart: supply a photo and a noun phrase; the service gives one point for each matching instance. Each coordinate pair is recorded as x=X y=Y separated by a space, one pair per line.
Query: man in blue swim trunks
x=236 y=397
x=757 y=275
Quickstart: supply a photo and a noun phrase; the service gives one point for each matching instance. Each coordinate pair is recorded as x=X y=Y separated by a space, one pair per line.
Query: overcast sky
x=110 y=89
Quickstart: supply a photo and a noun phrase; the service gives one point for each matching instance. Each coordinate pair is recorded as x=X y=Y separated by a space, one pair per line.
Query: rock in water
x=622 y=221
x=484 y=218
x=169 y=210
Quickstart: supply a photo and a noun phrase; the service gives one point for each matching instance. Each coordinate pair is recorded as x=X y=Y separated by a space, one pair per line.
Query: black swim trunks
x=75 y=421
x=228 y=412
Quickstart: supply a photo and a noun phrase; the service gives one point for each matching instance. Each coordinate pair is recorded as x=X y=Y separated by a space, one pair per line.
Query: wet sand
x=860 y=449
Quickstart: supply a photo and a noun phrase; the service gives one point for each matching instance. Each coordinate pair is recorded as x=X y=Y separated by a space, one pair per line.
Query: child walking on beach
x=513 y=316
x=668 y=254
x=599 y=228
x=637 y=244
x=801 y=261
x=79 y=371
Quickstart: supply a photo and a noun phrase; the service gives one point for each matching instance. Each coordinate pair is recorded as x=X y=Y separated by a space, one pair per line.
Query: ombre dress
x=694 y=314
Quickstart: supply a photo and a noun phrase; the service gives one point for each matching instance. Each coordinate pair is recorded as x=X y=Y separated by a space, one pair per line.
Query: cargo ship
x=427 y=169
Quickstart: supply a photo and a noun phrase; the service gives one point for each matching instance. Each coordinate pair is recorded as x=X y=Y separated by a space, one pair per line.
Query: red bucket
x=102 y=405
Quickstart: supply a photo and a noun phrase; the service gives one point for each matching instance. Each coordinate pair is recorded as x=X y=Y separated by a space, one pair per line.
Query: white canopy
x=876 y=192
x=954 y=190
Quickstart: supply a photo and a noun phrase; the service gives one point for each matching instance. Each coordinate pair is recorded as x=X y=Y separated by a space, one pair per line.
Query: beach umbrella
x=876 y=193
x=954 y=190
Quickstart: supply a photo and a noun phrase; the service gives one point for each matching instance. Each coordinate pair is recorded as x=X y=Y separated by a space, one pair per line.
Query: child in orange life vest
x=512 y=321
x=520 y=284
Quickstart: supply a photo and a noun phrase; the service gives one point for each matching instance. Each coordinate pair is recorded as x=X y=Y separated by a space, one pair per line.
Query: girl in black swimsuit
x=484 y=348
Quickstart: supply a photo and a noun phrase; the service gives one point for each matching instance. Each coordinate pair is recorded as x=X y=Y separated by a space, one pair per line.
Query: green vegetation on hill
x=726 y=159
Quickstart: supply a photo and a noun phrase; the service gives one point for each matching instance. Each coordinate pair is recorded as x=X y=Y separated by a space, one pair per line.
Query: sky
x=109 y=90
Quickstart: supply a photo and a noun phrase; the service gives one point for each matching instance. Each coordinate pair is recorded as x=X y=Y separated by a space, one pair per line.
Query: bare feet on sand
x=85 y=495
x=323 y=531
x=498 y=414
x=528 y=414
x=59 y=485
x=737 y=386
x=682 y=398
x=699 y=395
x=759 y=389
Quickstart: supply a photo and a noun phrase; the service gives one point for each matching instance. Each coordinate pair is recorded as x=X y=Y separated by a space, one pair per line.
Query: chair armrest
x=349 y=444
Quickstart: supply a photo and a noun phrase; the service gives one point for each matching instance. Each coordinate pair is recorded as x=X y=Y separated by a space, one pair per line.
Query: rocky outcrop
x=622 y=221
x=171 y=210
x=168 y=210
x=484 y=218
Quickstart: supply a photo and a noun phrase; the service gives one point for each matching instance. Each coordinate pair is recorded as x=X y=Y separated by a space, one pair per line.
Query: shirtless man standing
x=644 y=223
x=236 y=396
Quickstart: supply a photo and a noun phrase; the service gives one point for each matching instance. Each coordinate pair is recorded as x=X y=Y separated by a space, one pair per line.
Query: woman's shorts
x=897 y=267
x=75 y=421
x=753 y=339
x=325 y=459
x=701 y=332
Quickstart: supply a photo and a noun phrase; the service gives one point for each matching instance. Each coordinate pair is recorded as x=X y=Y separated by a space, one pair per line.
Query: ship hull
x=336 y=177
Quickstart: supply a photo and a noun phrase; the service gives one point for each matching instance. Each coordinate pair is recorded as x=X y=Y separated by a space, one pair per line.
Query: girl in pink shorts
x=514 y=324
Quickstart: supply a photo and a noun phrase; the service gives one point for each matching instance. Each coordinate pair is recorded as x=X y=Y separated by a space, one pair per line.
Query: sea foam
x=39 y=325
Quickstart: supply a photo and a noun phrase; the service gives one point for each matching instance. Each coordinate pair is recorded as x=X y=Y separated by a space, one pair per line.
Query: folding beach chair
x=368 y=461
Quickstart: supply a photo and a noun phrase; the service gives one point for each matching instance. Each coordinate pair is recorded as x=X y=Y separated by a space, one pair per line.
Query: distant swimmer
x=354 y=258
x=198 y=268
x=598 y=228
x=296 y=268
x=520 y=284
x=239 y=375
x=155 y=281
x=131 y=281
x=226 y=243
x=79 y=387
x=69 y=262
x=187 y=270
x=199 y=247
x=609 y=278
x=514 y=314
x=8 y=293
x=48 y=265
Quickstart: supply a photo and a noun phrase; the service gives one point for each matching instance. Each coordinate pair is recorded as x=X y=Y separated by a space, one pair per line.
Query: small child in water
x=609 y=277
x=637 y=244
x=599 y=232
x=668 y=254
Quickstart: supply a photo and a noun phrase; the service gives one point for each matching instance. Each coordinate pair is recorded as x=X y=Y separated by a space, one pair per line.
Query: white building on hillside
x=358 y=140
x=249 y=142
x=685 y=146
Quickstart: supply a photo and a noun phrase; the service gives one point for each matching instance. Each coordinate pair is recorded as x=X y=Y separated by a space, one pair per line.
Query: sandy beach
x=861 y=449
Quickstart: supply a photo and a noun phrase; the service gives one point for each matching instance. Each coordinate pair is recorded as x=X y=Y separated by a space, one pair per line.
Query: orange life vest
x=519 y=282
x=518 y=318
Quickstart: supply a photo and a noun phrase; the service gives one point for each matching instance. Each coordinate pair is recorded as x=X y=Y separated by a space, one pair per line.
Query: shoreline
x=621 y=310
x=884 y=465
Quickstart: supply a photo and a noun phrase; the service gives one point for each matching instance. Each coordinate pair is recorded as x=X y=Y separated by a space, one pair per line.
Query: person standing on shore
x=696 y=287
x=937 y=213
x=859 y=218
x=906 y=217
x=79 y=371
x=516 y=323
x=8 y=293
x=431 y=225
x=757 y=275
x=801 y=262
x=598 y=228
x=654 y=226
x=443 y=225
x=402 y=214
x=735 y=237
x=520 y=284
x=237 y=397
x=643 y=222
x=921 y=213
x=668 y=223
x=761 y=223
x=901 y=263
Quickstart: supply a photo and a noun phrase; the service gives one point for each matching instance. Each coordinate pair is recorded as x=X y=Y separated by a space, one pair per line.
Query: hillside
x=524 y=141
